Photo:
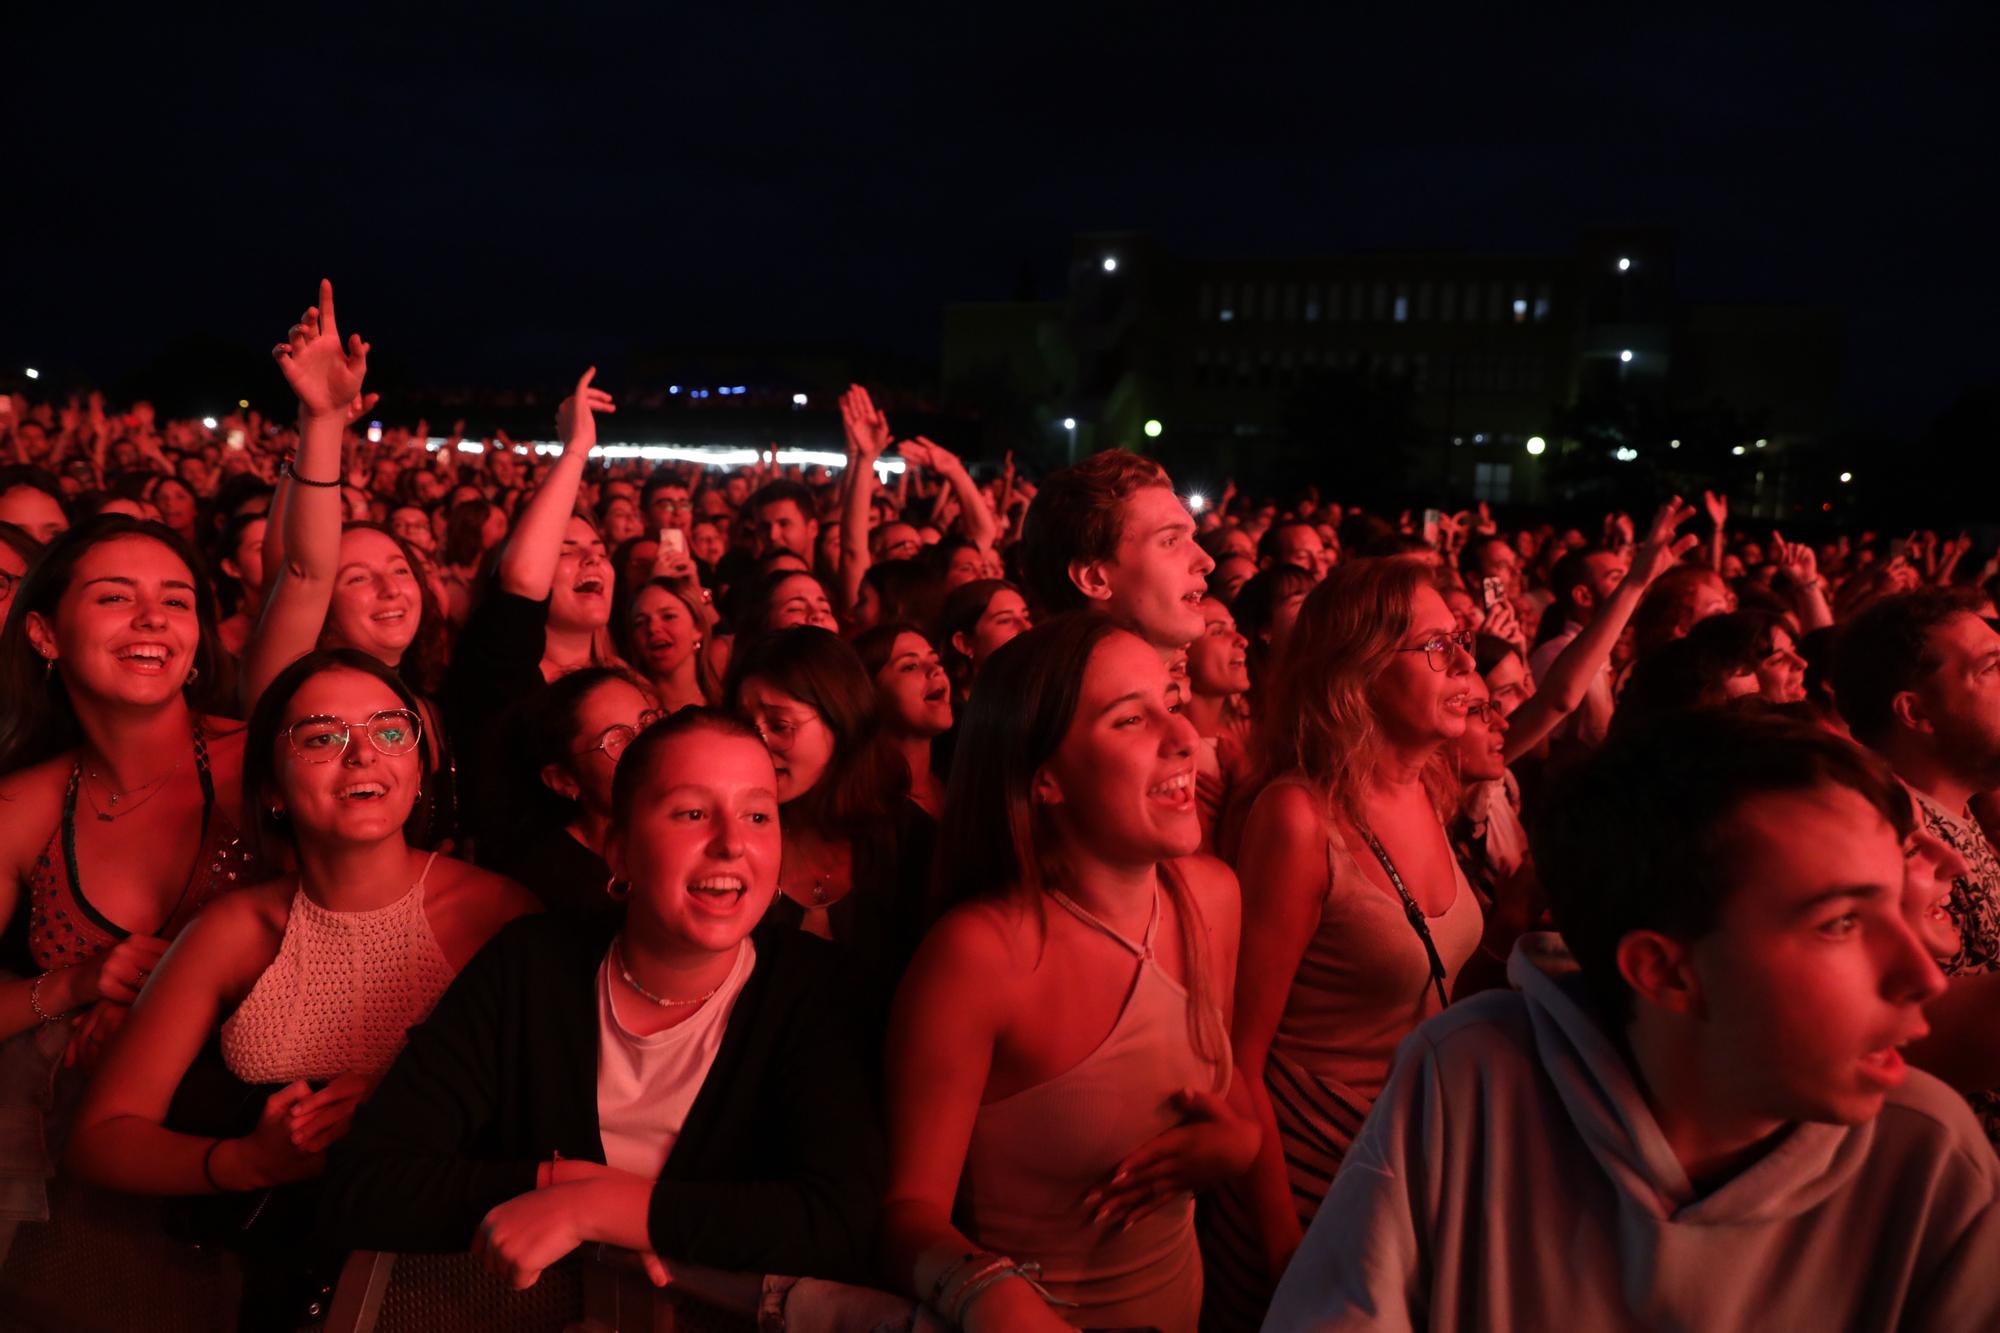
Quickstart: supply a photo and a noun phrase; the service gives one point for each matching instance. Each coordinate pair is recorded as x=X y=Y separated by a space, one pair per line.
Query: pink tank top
x=1035 y=1154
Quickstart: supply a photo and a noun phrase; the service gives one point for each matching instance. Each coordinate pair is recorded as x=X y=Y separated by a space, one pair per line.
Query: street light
x=1110 y=263
x=1737 y=451
x=1197 y=502
x=1536 y=444
x=1153 y=429
x=34 y=374
x=1846 y=477
x=1625 y=355
x=1069 y=424
x=1624 y=265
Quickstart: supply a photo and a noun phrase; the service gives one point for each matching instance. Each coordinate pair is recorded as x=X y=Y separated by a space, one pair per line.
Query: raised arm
x=867 y=436
x=1717 y=508
x=1801 y=568
x=1570 y=674
x=979 y=526
x=528 y=565
x=306 y=516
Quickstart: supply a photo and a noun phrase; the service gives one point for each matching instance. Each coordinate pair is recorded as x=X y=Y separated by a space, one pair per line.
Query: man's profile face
x=1961 y=698
x=1158 y=575
x=1813 y=977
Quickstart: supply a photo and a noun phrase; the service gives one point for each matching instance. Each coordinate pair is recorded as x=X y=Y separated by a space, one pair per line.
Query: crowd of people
x=978 y=902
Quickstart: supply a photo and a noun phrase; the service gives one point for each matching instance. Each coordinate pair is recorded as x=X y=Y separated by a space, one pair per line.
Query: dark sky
x=503 y=195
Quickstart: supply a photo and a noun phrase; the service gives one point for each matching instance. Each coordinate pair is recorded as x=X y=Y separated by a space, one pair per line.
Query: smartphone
x=673 y=542
x=1433 y=518
x=1492 y=591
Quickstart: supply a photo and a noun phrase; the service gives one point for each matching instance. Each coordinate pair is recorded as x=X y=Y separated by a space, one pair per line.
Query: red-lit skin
x=413 y=525
x=664 y=640
x=1510 y=684
x=377 y=602
x=667 y=507
x=780 y=525
x=1157 y=577
x=800 y=741
x=1479 y=751
x=580 y=598
x=798 y=599
x=1218 y=663
x=1005 y=617
x=916 y=697
x=1791 y=1008
x=621 y=521
x=33 y=511
x=1781 y=674
x=706 y=543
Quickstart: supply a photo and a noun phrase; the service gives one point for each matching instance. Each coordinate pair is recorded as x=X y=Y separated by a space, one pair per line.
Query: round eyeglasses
x=321 y=740
x=614 y=740
x=1437 y=648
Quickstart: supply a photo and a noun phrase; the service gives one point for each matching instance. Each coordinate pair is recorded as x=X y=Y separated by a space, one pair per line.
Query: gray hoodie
x=1511 y=1176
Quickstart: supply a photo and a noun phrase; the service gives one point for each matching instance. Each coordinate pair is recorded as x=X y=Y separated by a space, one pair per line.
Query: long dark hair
x=262 y=832
x=993 y=843
x=961 y=613
x=868 y=779
x=36 y=720
x=543 y=728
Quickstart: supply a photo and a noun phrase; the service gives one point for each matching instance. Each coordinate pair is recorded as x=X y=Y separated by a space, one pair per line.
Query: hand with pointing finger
x=325 y=375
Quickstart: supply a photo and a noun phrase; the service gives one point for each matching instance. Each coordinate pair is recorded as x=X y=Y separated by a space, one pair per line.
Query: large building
x=1461 y=371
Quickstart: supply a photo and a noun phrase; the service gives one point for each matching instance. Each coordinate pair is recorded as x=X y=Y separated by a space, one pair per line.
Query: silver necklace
x=625 y=972
x=152 y=789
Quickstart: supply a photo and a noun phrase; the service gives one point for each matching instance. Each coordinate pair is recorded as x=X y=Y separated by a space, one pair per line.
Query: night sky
x=501 y=196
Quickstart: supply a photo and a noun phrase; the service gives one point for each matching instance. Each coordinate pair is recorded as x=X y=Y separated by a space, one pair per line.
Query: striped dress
x=1363 y=984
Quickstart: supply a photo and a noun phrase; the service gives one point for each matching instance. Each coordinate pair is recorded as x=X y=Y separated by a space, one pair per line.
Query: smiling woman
x=309 y=983
x=642 y=1087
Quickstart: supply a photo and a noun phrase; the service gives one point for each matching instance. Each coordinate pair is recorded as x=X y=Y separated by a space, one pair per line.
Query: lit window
x=1402 y=308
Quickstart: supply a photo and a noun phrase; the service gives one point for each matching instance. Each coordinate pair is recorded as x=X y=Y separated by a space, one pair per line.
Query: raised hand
x=1717 y=509
x=325 y=376
x=926 y=453
x=1662 y=548
x=1796 y=559
x=576 y=420
x=867 y=429
x=1213 y=1143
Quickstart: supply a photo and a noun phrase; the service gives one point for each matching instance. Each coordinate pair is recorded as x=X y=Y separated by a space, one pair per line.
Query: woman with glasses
x=308 y=982
x=549 y=826
x=1356 y=917
x=857 y=849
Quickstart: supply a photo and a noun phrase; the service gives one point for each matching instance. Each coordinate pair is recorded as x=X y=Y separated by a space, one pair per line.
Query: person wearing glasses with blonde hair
x=310 y=980
x=1356 y=917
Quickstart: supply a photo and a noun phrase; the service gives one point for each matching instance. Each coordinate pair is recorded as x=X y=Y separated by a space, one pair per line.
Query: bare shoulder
x=253 y=910
x=1286 y=808
x=478 y=899
x=1211 y=881
x=234 y=937
x=979 y=950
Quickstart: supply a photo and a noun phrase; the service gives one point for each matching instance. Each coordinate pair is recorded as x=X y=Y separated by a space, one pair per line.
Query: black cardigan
x=779 y=1168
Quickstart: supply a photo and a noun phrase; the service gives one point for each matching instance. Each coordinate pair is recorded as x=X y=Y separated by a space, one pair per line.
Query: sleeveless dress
x=341 y=994
x=1035 y=1154
x=1363 y=984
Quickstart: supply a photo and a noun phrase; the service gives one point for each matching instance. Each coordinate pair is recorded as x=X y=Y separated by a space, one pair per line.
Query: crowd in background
x=951 y=898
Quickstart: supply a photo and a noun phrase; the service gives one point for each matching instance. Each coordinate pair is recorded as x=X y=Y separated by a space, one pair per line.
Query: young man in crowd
x=1110 y=533
x=783 y=517
x=1709 y=1123
x=1917 y=679
x=1582 y=581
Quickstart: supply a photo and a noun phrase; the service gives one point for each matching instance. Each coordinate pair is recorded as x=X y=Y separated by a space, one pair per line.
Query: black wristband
x=208 y=1167
x=307 y=481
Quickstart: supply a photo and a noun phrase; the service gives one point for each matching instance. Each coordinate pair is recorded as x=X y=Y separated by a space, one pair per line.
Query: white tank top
x=341 y=994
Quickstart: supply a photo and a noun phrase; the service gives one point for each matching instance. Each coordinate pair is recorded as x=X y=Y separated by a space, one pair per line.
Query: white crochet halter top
x=342 y=992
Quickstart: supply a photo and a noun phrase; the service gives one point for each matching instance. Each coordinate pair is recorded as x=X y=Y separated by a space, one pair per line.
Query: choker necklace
x=618 y=956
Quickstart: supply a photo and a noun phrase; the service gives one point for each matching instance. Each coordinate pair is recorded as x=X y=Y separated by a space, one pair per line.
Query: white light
x=798 y=400
x=34 y=374
x=1626 y=455
x=1846 y=477
x=374 y=432
x=1738 y=451
x=673 y=388
x=1479 y=439
x=209 y=422
x=1152 y=429
x=1197 y=502
x=1536 y=444
x=1110 y=263
x=713 y=455
x=1228 y=315
x=1625 y=355
x=1673 y=444
x=1624 y=265
x=1069 y=423
x=471 y=447
x=739 y=391
x=1762 y=443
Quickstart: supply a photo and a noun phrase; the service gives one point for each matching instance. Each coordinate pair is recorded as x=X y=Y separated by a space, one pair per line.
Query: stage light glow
x=711 y=455
x=1846 y=477
x=1536 y=445
x=34 y=374
x=1197 y=502
x=1762 y=443
x=1738 y=451
x=674 y=389
x=1673 y=444
x=1110 y=263
x=1069 y=423
x=209 y=423
x=1625 y=355
x=374 y=432
x=798 y=400
x=1624 y=265
x=1153 y=429
x=243 y=402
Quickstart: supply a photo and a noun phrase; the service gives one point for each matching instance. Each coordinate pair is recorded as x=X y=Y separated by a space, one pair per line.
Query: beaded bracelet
x=288 y=471
x=35 y=1000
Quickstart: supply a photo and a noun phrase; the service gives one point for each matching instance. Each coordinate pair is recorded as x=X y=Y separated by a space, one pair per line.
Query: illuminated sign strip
x=710 y=455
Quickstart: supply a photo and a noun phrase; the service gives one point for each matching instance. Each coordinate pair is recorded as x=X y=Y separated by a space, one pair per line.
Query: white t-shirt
x=645 y=1085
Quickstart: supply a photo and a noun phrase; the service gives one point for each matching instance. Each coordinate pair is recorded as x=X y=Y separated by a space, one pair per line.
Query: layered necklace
x=125 y=802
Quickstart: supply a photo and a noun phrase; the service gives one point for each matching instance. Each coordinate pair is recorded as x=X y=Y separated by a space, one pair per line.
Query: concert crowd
x=870 y=899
